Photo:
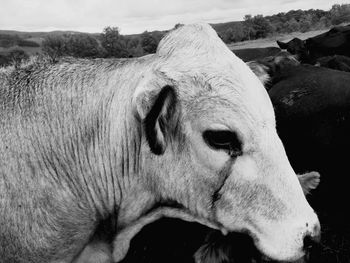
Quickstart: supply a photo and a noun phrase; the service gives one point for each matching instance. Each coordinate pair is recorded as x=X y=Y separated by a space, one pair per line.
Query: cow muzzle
x=290 y=241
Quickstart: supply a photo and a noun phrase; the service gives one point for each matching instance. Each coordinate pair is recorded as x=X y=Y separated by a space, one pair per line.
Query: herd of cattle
x=119 y=160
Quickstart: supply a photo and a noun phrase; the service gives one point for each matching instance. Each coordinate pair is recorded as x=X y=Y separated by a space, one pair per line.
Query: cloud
x=135 y=16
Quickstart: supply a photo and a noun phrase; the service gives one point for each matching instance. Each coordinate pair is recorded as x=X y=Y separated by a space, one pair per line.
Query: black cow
x=312 y=106
x=314 y=103
x=333 y=42
x=249 y=54
x=337 y=62
x=295 y=46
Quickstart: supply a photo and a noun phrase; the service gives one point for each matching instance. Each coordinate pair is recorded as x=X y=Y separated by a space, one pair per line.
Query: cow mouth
x=252 y=244
x=248 y=242
x=236 y=247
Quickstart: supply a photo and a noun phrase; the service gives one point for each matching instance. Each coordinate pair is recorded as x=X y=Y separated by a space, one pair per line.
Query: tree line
x=259 y=26
x=110 y=43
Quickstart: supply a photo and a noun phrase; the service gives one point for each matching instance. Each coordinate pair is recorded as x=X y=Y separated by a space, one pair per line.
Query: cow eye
x=223 y=140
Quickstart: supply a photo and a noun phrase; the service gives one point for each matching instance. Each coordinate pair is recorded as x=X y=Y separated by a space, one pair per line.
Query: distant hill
x=25 y=35
x=38 y=37
x=41 y=35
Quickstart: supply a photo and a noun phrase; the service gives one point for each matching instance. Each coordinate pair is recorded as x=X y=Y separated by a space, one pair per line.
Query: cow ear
x=309 y=181
x=159 y=116
x=282 y=45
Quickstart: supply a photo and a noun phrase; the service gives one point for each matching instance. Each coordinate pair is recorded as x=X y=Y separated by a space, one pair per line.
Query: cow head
x=297 y=47
x=210 y=146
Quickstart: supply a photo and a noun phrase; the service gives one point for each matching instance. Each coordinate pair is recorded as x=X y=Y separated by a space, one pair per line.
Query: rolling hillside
x=38 y=37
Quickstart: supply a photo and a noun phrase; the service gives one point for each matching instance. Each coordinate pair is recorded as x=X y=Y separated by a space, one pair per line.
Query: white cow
x=188 y=132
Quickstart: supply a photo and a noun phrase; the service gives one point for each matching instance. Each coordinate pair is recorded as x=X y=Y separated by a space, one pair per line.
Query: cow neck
x=131 y=199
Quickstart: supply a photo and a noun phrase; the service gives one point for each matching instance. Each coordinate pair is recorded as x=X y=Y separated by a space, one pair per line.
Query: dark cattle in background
x=337 y=62
x=336 y=41
x=248 y=54
x=312 y=106
x=318 y=100
x=312 y=102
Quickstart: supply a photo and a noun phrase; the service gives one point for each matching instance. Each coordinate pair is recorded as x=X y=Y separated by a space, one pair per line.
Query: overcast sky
x=136 y=16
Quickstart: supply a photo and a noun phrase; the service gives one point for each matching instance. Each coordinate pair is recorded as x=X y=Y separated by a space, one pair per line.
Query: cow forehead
x=240 y=110
x=237 y=98
x=196 y=38
x=203 y=69
x=222 y=114
x=197 y=51
x=194 y=46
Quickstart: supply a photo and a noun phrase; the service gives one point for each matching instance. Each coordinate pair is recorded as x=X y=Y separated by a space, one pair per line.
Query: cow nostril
x=310 y=242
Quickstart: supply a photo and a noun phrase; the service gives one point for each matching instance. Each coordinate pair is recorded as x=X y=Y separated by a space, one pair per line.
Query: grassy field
x=271 y=41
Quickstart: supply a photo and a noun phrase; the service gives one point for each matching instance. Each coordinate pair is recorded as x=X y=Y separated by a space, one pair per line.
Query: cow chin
x=277 y=241
x=280 y=243
x=279 y=251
